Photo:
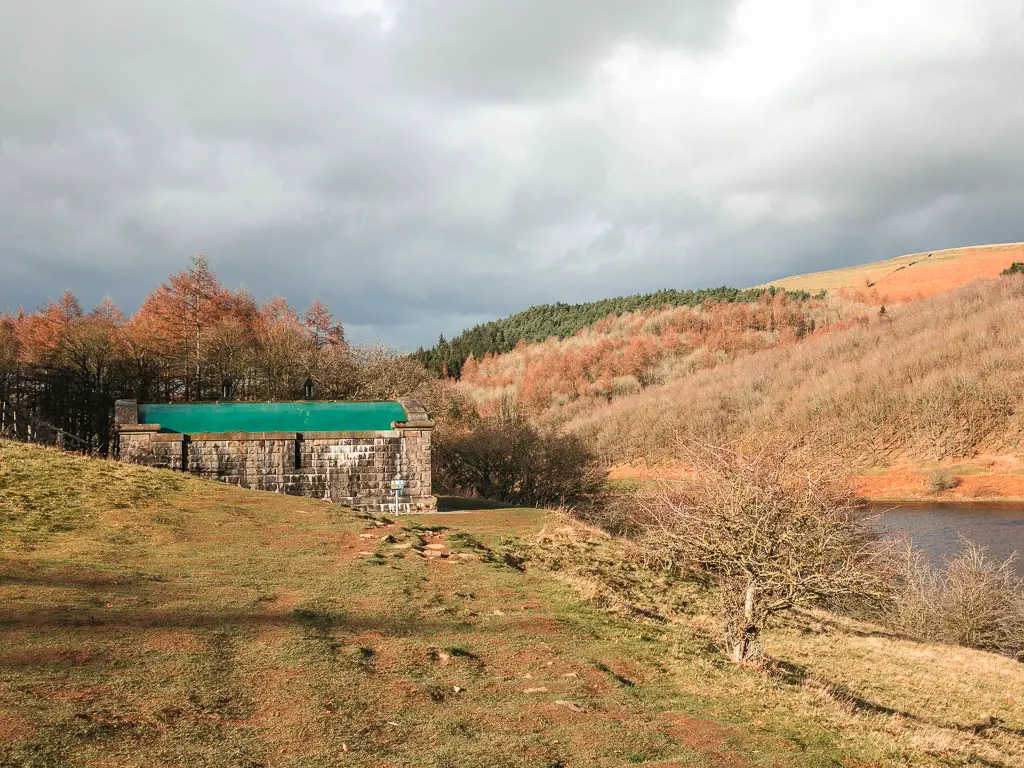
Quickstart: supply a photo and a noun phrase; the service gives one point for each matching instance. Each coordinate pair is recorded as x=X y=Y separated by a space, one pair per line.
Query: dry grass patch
x=961 y=706
x=913 y=276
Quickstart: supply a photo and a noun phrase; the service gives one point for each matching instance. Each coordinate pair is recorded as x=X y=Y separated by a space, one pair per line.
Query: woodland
x=62 y=367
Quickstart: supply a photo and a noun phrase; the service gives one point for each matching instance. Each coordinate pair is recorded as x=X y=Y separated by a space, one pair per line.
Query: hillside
x=152 y=619
x=621 y=355
x=560 y=321
x=894 y=281
x=935 y=383
x=900 y=389
x=911 y=277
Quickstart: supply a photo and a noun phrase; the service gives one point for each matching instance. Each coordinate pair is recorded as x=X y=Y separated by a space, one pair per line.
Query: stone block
x=126 y=412
x=353 y=468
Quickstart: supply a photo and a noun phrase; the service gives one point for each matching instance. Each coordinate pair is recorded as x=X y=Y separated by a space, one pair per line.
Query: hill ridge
x=947 y=269
x=876 y=283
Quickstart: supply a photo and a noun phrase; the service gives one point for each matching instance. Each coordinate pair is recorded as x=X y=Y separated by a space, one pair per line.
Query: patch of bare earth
x=706 y=737
x=172 y=640
x=14 y=727
x=285 y=713
x=996 y=478
x=913 y=485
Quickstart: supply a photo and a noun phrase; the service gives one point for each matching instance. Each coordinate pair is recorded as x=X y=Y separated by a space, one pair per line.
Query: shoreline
x=995 y=501
x=976 y=485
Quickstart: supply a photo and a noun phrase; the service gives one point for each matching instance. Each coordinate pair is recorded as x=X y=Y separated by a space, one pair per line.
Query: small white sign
x=398 y=485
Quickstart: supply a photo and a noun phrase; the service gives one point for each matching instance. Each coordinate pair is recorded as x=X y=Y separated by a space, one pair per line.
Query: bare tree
x=228 y=352
x=774 y=530
x=973 y=599
x=383 y=374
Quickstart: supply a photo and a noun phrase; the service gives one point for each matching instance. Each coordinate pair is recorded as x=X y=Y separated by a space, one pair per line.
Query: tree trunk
x=748 y=631
x=738 y=653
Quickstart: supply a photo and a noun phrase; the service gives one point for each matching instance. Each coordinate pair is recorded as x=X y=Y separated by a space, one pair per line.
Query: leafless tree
x=774 y=528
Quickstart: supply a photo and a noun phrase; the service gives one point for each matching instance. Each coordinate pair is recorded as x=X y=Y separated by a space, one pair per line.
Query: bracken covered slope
x=619 y=356
x=933 y=381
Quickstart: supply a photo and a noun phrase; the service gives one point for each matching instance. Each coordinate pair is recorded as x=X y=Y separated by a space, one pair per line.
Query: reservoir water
x=936 y=528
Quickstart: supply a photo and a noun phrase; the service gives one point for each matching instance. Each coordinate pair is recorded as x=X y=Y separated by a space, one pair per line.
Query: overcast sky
x=423 y=165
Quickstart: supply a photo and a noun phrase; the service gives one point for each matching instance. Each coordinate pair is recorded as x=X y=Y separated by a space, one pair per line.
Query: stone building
x=350 y=453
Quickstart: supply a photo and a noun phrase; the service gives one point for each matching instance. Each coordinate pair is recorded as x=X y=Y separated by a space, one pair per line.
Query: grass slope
x=917 y=275
x=148 y=619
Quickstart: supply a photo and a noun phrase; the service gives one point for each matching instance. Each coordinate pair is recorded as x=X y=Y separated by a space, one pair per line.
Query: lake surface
x=936 y=528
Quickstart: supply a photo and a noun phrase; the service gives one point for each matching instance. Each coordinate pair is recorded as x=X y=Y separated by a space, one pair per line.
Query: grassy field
x=914 y=276
x=149 y=619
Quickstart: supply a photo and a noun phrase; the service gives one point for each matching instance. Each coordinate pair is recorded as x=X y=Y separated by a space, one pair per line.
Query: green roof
x=273 y=417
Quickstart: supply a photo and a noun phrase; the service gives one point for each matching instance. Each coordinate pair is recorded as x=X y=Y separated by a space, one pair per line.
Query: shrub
x=974 y=600
x=941 y=480
x=614 y=511
x=509 y=460
x=1016 y=268
x=773 y=531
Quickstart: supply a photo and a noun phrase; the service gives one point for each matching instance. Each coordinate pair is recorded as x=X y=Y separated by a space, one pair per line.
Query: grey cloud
x=534 y=49
x=443 y=163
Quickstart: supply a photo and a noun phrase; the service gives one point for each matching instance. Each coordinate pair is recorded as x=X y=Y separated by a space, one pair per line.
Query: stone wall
x=352 y=468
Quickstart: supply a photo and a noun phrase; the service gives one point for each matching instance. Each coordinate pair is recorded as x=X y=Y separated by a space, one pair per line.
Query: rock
x=572 y=706
x=571 y=674
x=535 y=690
x=457 y=689
x=435 y=545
